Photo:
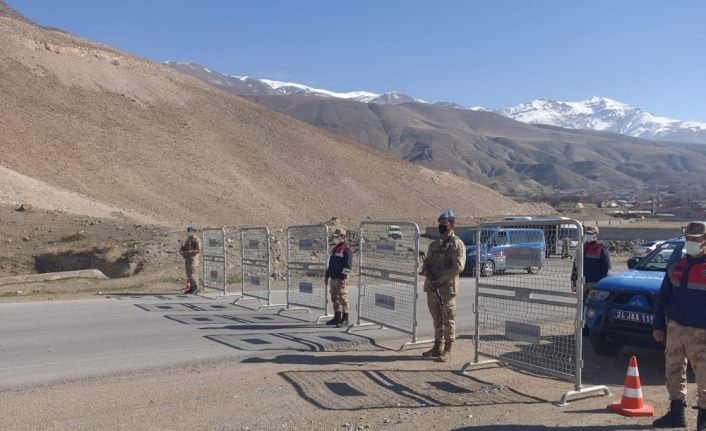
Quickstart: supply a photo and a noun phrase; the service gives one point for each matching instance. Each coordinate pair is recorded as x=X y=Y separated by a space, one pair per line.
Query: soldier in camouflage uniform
x=190 y=250
x=444 y=261
x=680 y=318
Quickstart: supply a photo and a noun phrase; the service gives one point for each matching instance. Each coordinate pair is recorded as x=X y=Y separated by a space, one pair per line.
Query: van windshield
x=469 y=237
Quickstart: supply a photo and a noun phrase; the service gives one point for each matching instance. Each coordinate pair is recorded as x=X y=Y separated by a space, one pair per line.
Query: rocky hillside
x=105 y=126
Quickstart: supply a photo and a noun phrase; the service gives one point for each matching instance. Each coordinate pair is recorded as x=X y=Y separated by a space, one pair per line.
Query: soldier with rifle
x=443 y=264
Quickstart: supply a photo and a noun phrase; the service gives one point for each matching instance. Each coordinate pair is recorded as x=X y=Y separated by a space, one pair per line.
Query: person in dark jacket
x=339 y=268
x=680 y=317
x=596 y=261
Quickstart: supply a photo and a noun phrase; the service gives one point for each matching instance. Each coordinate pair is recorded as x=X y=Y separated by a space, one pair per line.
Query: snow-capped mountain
x=248 y=86
x=596 y=113
x=604 y=114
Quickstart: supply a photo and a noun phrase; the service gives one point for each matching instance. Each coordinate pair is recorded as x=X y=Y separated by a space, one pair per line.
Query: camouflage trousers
x=444 y=326
x=685 y=343
x=192 y=265
x=339 y=294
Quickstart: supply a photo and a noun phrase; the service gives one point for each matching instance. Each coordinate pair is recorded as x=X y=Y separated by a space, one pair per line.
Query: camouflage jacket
x=445 y=260
x=192 y=246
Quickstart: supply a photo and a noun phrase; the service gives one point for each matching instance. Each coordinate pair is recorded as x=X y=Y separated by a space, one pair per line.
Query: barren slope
x=513 y=157
x=142 y=137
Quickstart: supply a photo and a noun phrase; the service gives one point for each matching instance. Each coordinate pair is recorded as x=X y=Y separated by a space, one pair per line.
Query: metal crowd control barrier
x=307 y=256
x=256 y=266
x=387 y=283
x=214 y=259
x=526 y=313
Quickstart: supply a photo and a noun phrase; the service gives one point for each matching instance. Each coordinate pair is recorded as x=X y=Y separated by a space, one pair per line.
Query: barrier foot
x=414 y=343
x=468 y=366
x=364 y=327
x=262 y=307
x=216 y=295
x=583 y=391
x=325 y=316
x=243 y=299
x=279 y=313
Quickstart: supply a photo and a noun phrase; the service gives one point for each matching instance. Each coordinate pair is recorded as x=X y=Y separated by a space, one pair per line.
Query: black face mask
x=443 y=228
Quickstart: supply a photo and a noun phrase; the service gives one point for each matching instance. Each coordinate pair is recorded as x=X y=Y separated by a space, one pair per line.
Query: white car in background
x=394 y=232
x=645 y=248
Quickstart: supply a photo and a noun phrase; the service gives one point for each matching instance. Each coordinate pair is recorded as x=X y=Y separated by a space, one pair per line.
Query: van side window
x=519 y=237
x=500 y=238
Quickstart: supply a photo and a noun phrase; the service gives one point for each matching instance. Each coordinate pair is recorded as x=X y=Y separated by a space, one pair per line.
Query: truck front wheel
x=602 y=344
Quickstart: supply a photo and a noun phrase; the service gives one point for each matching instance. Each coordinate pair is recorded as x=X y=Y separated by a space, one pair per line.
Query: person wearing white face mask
x=680 y=318
x=596 y=261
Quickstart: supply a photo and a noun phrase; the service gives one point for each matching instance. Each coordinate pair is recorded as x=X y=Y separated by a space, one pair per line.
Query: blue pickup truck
x=620 y=309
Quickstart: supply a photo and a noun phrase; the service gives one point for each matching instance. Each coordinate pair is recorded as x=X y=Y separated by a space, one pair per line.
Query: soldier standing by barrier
x=680 y=317
x=596 y=261
x=190 y=250
x=566 y=248
x=339 y=267
x=444 y=261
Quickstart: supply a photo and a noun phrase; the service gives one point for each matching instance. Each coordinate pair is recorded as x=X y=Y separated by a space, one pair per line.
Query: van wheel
x=533 y=270
x=487 y=268
x=602 y=346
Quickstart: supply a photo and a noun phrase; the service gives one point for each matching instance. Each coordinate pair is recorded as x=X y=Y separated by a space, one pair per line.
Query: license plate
x=633 y=316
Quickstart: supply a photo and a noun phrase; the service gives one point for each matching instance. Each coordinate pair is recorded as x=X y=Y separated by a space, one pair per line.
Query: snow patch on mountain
x=604 y=114
x=281 y=87
x=596 y=113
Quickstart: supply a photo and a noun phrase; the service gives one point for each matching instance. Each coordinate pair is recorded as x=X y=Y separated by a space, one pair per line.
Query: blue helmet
x=447 y=215
x=191 y=228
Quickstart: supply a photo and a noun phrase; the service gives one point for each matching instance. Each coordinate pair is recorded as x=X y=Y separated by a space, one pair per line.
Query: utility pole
x=654 y=202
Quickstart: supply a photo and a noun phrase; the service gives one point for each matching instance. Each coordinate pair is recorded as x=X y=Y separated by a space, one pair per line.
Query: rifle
x=427 y=272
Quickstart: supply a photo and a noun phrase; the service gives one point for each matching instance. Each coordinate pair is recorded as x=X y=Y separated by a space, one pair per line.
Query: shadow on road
x=380 y=389
x=597 y=369
x=320 y=341
x=290 y=359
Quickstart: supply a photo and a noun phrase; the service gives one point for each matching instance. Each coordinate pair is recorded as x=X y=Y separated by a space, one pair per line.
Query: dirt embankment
x=138 y=136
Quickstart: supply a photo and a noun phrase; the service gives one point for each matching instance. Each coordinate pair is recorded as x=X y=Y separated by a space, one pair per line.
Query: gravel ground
x=377 y=389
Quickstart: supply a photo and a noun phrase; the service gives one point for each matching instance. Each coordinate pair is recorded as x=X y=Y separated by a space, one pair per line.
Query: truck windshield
x=659 y=259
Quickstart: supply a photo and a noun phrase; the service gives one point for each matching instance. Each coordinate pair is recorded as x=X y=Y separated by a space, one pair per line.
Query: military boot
x=701 y=420
x=675 y=417
x=336 y=319
x=434 y=352
x=447 y=354
x=343 y=323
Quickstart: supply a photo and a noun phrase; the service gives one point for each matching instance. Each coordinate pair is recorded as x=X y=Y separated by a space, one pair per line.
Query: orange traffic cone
x=632 y=404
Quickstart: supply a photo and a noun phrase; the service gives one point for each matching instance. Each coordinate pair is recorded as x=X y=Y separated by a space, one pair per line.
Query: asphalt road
x=43 y=342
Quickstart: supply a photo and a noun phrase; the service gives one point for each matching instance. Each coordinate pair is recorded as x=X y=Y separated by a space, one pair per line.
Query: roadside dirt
x=24 y=235
x=376 y=390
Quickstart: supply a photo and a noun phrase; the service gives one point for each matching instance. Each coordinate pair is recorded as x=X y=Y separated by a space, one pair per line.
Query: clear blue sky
x=492 y=53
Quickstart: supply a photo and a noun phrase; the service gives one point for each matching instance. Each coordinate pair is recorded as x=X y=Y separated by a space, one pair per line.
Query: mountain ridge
x=518 y=159
x=596 y=113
